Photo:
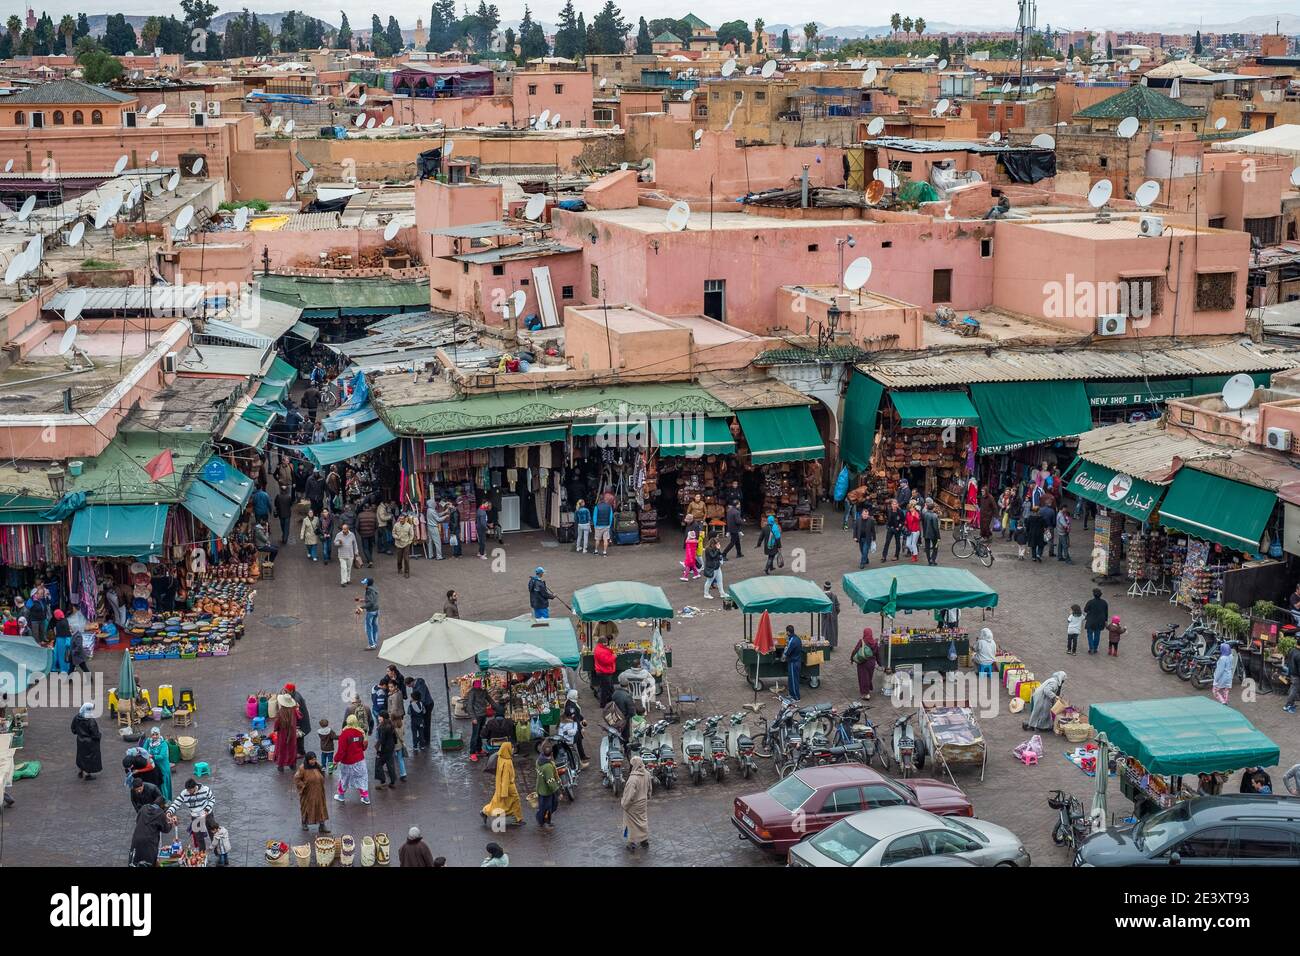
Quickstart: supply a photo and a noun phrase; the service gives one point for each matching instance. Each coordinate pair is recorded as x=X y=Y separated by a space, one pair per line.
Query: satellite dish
x=288 y=194
x=390 y=231
x=995 y=136
x=448 y=146
x=69 y=336
x=686 y=97
x=156 y=111
x=857 y=273
x=1295 y=176
x=1043 y=141
x=1127 y=127
x=1221 y=122
x=544 y=119
x=869 y=76
x=197 y=167
x=876 y=126
x=173 y=181
x=389 y=121
x=603 y=81
x=886 y=176
x=119 y=165
x=241 y=219
x=78 y=230
x=76 y=302
x=306 y=177
x=361 y=100
x=370 y=123
x=728 y=68
x=1134 y=63
x=17 y=268
x=1006 y=87
x=9 y=165
x=1034 y=88
x=1238 y=391
x=768 y=71
x=288 y=127
x=699 y=135
x=28 y=205
x=875 y=189
x=941 y=107
x=1099 y=194
x=134 y=196
x=153 y=157
x=107 y=210
x=942 y=64
x=1147 y=193
x=185 y=218
x=679 y=214
x=360 y=121
x=518 y=299
x=1077 y=61
x=555 y=121
x=750 y=70
x=275 y=122
x=535 y=206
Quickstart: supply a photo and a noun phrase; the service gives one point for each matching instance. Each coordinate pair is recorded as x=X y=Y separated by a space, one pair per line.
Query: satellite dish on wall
x=69 y=337
x=622 y=167
x=1043 y=141
x=120 y=165
x=869 y=75
x=686 y=97
x=156 y=111
x=74 y=237
x=388 y=121
x=133 y=197
x=699 y=135
x=679 y=214
x=288 y=127
x=875 y=189
x=370 y=123
x=361 y=100
x=1099 y=194
x=197 y=167
x=769 y=69
x=857 y=273
x=750 y=70
x=1238 y=391
x=288 y=193
x=107 y=210
x=518 y=299
x=76 y=303
x=603 y=81
x=360 y=121
x=26 y=210
x=306 y=177
x=275 y=122
x=995 y=136
x=241 y=218
x=942 y=64
x=535 y=206
x=153 y=157
x=173 y=181
x=1147 y=193
x=9 y=165
x=555 y=121
x=390 y=230
x=1127 y=127
x=1134 y=63
x=448 y=147
x=185 y=218
x=1221 y=122
x=941 y=107
x=543 y=119
x=728 y=68
x=885 y=175
x=876 y=126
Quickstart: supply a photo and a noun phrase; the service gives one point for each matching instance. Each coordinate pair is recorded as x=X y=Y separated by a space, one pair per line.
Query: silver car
x=897 y=836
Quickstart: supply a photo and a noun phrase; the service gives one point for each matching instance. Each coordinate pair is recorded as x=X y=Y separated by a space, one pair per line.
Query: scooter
x=906 y=748
x=1159 y=639
x=716 y=749
x=661 y=740
x=693 y=749
x=856 y=734
x=1201 y=668
x=740 y=744
x=1072 y=825
x=644 y=744
x=611 y=760
x=566 y=772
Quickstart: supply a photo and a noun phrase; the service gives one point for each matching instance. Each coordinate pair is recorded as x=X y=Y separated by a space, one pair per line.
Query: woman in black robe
x=86 y=729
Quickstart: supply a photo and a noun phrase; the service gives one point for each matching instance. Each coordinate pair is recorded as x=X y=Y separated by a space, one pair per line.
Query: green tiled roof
x=836 y=353
x=117 y=476
x=73 y=92
x=344 y=293
x=695 y=22
x=667 y=37
x=1142 y=102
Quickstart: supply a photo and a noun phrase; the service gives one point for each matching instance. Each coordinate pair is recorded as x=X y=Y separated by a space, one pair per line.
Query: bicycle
x=968 y=545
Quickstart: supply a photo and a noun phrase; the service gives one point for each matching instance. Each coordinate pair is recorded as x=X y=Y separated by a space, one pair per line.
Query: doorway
x=715 y=299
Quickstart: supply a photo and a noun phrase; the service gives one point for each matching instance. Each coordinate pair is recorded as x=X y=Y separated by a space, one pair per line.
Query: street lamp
x=55 y=475
x=839 y=247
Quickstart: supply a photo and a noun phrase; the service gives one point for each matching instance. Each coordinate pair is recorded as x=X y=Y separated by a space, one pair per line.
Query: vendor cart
x=1162 y=741
x=953 y=738
x=600 y=606
x=780 y=595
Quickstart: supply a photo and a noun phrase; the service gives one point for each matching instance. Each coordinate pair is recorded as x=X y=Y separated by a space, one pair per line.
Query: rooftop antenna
x=678 y=215
x=856 y=275
x=1237 y=392
x=1098 y=196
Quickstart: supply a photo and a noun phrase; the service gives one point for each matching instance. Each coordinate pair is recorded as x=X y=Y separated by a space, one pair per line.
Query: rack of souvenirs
x=207 y=629
x=935 y=649
x=626 y=653
x=253 y=747
x=1147 y=561
x=539 y=695
x=1201 y=581
x=1108 y=541
x=1140 y=785
x=785 y=494
x=176 y=854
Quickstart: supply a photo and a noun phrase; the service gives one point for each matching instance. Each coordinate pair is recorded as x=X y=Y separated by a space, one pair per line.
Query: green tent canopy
x=211 y=507
x=25 y=509
x=1112 y=489
x=781 y=434
x=518 y=658
x=626 y=430
x=117 y=531
x=934 y=409
x=920 y=588
x=692 y=436
x=341 y=449
x=1015 y=415
x=234 y=484
x=537 y=435
x=621 y=601
x=1184 y=735
x=1217 y=509
x=281 y=371
x=781 y=594
x=858 y=428
x=555 y=636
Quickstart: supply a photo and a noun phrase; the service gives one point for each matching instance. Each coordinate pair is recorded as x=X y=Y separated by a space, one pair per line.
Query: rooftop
x=1142 y=102
x=67 y=91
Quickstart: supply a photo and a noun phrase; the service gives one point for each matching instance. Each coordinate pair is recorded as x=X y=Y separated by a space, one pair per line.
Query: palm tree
x=758 y=34
x=907 y=26
x=67 y=27
x=895 y=22
x=810 y=35
x=920 y=25
x=15 y=28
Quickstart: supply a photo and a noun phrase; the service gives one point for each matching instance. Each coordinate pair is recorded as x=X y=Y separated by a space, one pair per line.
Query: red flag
x=160 y=466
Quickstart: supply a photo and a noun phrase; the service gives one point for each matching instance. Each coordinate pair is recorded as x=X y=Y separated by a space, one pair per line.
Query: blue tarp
x=280 y=98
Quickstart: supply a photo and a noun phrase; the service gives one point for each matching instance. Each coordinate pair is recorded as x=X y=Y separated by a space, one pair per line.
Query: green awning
x=1113 y=489
x=691 y=436
x=934 y=409
x=246 y=433
x=258 y=414
x=271 y=392
x=1136 y=391
x=1184 y=735
x=920 y=588
x=858 y=427
x=236 y=485
x=1217 y=509
x=782 y=594
x=509 y=437
x=1015 y=415
x=621 y=601
x=117 y=531
x=305 y=331
x=781 y=434
x=23 y=509
x=281 y=371
x=622 y=431
x=211 y=507
x=555 y=636
x=341 y=449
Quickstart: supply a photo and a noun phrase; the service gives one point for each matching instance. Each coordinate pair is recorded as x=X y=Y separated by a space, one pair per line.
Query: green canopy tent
x=1184 y=735
x=518 y=658
x=1015 y=415
x=934 y=409
x=776 y=595
x=349 y=446
x=919 y=588
x=621 y=601
x=781 y=434
x=22 y=661
x=118 y=531
x=555 y=636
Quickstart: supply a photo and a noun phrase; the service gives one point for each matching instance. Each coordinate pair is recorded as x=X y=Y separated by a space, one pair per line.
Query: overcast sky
x=1095 y=14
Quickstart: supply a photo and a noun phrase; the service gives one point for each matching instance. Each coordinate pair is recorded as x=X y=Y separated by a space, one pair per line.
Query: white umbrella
x=441 y=640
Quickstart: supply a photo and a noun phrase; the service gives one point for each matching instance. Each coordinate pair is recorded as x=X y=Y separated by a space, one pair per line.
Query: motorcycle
x=716 y=750
x=855 y=732
x=905 y=748
x=611 y=760
x=566 y=772
x=1072 y=825
x=1201 y=667
x=740 y=744
x=643 y=744
x=693 y=749
x=1172 y=653
x=665 y=759
x=1159 y=639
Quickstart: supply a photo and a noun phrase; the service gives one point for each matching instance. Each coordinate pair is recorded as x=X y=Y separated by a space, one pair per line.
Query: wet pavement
x=304 y=629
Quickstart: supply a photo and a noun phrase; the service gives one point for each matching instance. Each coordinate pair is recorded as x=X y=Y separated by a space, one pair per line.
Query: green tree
x=737 y=32
x=759 y=26
x=785 y=43
x=907 y=26
x=643 y=44
x=442 y=26
x=149 y=32
x=895 y=22
x=510 y=40
x=609 y=30
x=678 y=28
x=83 y=27
x=289 y=32
x=568 y=41
x=532 y=38
x=204 y=43
x=393 y=34
x=584 y=37
x=172 y=36
x=67 y=31
x=119 y=36
x=919 y=26
x=378 y=40
x=99 y=67
x=1110 y=51
x=810 y=36
x=46 y=36
x=1196 y=48
x=944 y=51
x=343 y=39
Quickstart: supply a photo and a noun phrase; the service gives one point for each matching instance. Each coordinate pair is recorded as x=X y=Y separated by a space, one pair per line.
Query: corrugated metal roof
x=1144 y=450
x=158 y=298
x=311 y=221
x=502 y=253
x=966 y=365
x=477 y=230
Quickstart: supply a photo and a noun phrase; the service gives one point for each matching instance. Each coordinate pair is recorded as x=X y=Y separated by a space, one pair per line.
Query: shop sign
x=1119 y=489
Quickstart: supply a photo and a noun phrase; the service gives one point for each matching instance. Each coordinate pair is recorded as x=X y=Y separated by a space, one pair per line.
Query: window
x=844 y=800
x=559 y=88
x=1214 y=843
x=909 y=847
x=986 y=248
x=498 y=270
x=760 y=96
x=532 y=89
x=790 y=792
x=715 y=299
x=879 y=795
x=566 y=292
x=96 y=118
x=1011 y=111
x=1142 y=296
x=737 y=96
x=812 y=247
x=903 y=165
x=595 y=282
x=1103 y=162
x=78 y=118
x=20 y=118
x=947 y=842
x=1263 y=843
x=887 y=244
x=1178 y=127
x=843 y=843
x=1217 y=222
x=715 y=95
x=618 y=64
x=942 y=286
x=1216 y=291
x=602 y=115
x=58 y=117
x=128 y=119
x=1267 y=229
x=38 y=120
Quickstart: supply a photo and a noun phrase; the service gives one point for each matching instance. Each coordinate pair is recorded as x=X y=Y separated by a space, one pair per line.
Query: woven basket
x=302 y=855
x=367 y=851
x=1077 y=732
x=276 y=858
x=325 y=847
x=347 y=850
x=188 y=747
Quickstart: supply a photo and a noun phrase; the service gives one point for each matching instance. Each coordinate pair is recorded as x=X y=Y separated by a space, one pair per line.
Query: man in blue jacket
x=539 y=595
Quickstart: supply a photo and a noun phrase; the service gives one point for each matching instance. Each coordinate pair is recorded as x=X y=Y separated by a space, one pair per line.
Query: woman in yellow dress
x=505 y=798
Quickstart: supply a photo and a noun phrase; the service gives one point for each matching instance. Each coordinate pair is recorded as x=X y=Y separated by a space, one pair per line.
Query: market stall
x=780 y=595
x=953 y=738
x=530 y=684
x=938 y=647
x=601 y=606
x=1162 y=741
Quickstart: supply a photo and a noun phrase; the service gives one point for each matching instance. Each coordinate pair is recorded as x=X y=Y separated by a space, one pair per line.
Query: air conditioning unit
x=169 y=363
x=1112 y=323
x=1151 y=227
x=1278 y=438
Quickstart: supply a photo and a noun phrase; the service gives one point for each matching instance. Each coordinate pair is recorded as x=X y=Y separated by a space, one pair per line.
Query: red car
x=812 y=799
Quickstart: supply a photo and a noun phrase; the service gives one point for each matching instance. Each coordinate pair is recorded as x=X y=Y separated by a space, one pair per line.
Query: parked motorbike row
x=708 y=747
x=1194 y=653
x=819 y=734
